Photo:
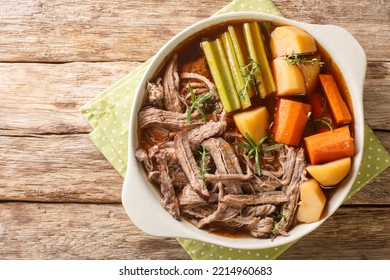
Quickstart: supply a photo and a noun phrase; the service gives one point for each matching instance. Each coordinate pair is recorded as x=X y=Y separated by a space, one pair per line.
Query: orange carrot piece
x=336 y=103
x=329 y=146
x=290 y=121
x=319 y=109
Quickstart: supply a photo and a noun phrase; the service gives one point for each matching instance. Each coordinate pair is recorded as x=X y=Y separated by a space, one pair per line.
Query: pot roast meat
x=188 y=164
x=230 y=195
x=206 y=81
x=151 y=116
x=263 y=228
x=225 y=160
x=155 y=94
x=171 y=82
x=142 y=156
x=196 y=213
x=260 y=210
x=188 y=196
x=169 y=200
x=238 y=178
x=210 y=129
x=242 y=200
x=289 y=208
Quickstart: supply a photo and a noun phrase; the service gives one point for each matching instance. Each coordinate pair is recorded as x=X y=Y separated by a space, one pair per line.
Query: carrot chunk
x=336 y=103
x=330 y=145
x=290 y=121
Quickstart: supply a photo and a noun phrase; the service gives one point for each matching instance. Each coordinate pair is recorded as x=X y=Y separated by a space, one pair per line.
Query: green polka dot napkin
x=108 y=115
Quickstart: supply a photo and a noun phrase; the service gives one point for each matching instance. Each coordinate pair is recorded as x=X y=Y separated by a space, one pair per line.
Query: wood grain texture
x=60 y=198
x=52 y=168
x=58 y=168
x=53 y=30
x=42 y=98
x=46 y=30
x=103 y=231
x=341 y=237
x=77 y=231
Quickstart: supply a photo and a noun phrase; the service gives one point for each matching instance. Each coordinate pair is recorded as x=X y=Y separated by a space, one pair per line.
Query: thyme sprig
x=255 y=149
x=276 y=227
x=205 y=157
x=277 y=224
x=294 y=59
x=249 y=72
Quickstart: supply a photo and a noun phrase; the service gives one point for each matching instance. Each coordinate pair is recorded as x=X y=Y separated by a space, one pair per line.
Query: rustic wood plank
x=376 y=95
x=352 y=233
x=91 y=231
x=57 y=168
x=58 y=30
x=51 y=168
x=134 y=30
x=368 y=21
x=45 y=98
x=77 y=231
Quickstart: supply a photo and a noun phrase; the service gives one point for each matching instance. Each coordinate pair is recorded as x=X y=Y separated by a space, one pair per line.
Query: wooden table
x=60 y=198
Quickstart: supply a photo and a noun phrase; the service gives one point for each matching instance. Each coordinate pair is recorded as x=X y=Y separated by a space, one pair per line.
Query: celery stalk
x=251 y=45
x=238 y=79
x=257 y=52
x=220 y=72
x=237 y=38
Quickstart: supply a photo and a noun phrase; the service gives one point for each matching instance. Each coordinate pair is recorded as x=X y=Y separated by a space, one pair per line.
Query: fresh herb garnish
x=294 y=59
x=255 y=149
x=203 y=164
x=195 y=104
x=282 y=218
x=249 y=72
x=322 y=121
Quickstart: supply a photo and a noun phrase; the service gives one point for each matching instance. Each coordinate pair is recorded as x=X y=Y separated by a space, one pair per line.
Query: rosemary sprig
x=249 y=72
x=294 y=59
x=203 y=164
x=255 y=149
x=195 y=104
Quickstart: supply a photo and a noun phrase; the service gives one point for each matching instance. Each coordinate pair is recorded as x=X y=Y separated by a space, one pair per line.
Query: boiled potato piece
x=312 y=202
x=330 y=173
x=310 y=73
x=288 y=78
x=287 y=40
x=254 y=122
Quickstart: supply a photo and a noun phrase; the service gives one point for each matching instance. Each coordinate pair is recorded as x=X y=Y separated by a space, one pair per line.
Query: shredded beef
x=189 y=165
x=171 y=82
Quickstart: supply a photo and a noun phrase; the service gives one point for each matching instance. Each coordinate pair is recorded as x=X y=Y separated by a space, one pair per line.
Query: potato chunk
x=254 y=121
x=310 y=73
x=331 y=173
x=288 y=78
x=287 y=40
x=312 y=202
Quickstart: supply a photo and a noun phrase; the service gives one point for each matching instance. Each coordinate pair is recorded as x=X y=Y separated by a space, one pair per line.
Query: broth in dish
x=245 y=128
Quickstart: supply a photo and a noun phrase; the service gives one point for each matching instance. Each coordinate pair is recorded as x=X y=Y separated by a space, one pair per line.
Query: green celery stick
x=253 y=54
x=261 y=56
x=220 y=72
x=241 y=51
x=238 y=79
